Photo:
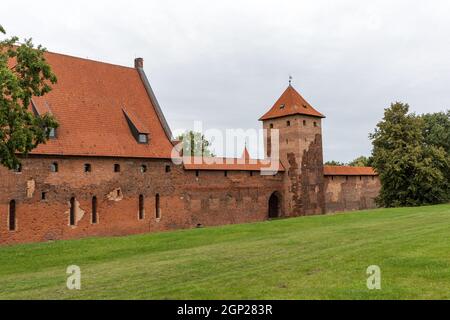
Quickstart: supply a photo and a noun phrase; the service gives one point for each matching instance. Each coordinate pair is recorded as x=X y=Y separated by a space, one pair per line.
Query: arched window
x=54 y=167
x=94 y=210
x=157 y=207
x=72 y=212
x=12 y=215
x=141 y=207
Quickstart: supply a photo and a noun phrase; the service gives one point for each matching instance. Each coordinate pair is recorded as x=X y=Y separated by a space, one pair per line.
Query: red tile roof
x=348 y=171
x=88 y=101
x=291 y=103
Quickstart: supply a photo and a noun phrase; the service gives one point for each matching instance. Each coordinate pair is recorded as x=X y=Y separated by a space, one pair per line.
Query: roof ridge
x=89 y=59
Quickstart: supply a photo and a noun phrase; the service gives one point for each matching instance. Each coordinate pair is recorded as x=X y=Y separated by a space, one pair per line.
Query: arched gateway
x=275 y=205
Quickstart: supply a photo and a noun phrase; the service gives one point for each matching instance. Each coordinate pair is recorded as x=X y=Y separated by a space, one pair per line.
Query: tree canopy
x=24 y=73
x=195 y=144
x=410 y=158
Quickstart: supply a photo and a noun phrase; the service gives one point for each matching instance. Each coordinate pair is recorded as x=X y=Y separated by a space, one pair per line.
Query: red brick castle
x=108 y=171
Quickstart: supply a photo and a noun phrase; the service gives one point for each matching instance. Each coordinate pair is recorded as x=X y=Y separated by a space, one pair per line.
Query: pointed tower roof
x=291 y=103
x=245 y=154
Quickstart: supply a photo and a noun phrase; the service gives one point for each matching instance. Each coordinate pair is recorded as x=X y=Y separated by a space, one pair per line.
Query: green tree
x=334 y=163
x=24 y=73
x=412 y=172
x=436 y=129
x=361 y=162
x=195 y=144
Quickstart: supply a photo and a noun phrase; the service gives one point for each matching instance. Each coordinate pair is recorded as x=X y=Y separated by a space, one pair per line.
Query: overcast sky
x=226 y=62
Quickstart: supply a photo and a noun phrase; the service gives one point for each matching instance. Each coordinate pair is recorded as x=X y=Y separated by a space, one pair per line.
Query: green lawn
x=322 y=257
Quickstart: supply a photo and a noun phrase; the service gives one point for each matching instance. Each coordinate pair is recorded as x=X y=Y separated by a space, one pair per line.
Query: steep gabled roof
x=89 y=102
x=348 y=171
x=291 y=103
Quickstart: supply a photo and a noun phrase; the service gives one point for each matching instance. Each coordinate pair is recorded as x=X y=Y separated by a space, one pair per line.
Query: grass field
x=323 y=257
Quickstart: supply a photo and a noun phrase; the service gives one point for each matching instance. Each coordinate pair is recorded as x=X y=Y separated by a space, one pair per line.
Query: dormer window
x=143 y=138
x=138 y=129
x=52 y=133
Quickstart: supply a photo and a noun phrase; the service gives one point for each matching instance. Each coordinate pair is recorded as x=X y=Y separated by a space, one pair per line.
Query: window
x=315 y=124
x=43 y=195
x=12 y=215
x=94 y=210
x=304 y=122
x=157 y=207
x=197 y=173
x=18 y=168
x=54 y=167
x=271 y=126
x=305 y=106
x=52 y=133
x=282 y=106
x=226 y=173
x=117 y=167
x=87 y=167
x=251 y=173
x=143 y=138
x=287 y=141
x=288 y=123
x=168 y=169
x=143 y=168
x=72 y=212
x=141 y=207
x=346 y=178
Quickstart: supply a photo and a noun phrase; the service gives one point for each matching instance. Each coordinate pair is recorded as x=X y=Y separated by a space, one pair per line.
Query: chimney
x=139 y=63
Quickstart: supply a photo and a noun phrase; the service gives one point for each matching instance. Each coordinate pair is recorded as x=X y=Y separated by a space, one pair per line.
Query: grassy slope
x=322 y=257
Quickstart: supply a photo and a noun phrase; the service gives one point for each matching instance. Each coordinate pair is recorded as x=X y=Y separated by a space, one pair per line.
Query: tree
x=412 y=172
x=24 y=73
x=334 y=163
x=361 y=162
x=437 y=129
x=195 y=144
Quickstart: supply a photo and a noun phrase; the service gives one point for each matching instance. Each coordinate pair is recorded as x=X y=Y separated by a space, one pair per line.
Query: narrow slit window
x=12 y=215
x=87 y=167
x=141 y=207
x=143 y=168
x=226 y=173
x=271 y=126
x=304 y=123
x=157 y=207
x=315 y=124
x=44 y=196
x=117 y=167
x=288 y=123
x=54 y=167
x=168 y=169
x=197 y=173
x=94 y=210
x=72 y=212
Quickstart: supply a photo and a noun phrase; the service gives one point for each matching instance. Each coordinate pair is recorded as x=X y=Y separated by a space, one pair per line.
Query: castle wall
x=186 y=201
x=346 y=193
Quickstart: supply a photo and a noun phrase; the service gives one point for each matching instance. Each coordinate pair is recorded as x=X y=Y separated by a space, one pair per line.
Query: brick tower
x=300 y=150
